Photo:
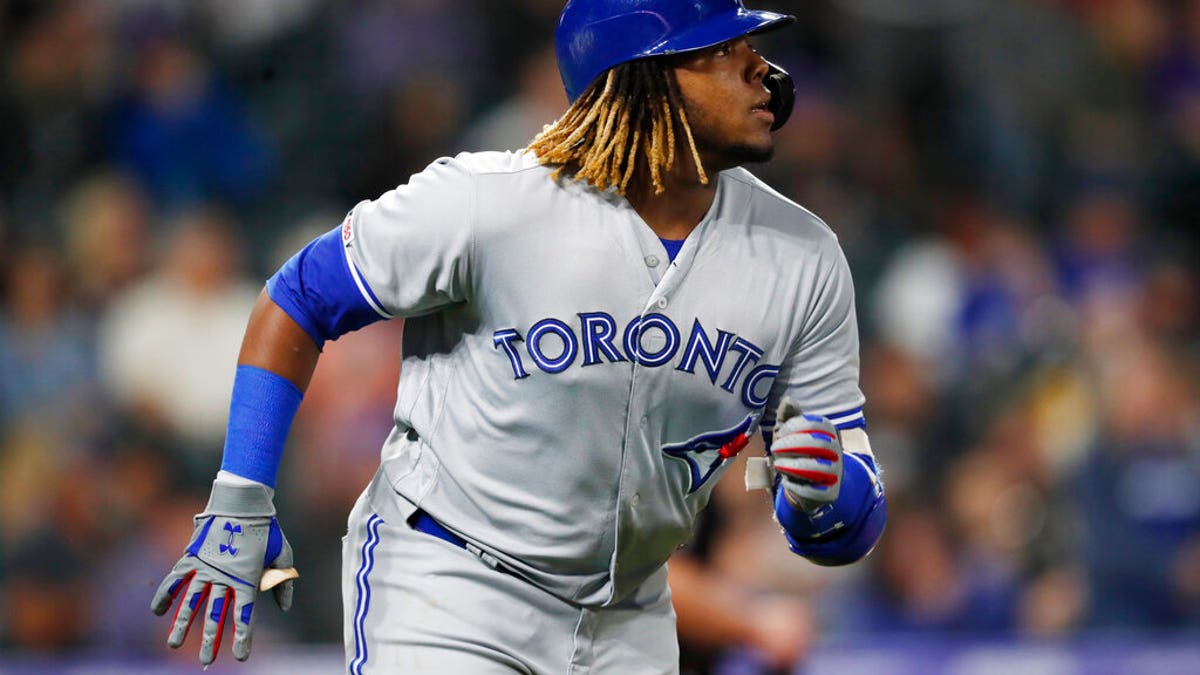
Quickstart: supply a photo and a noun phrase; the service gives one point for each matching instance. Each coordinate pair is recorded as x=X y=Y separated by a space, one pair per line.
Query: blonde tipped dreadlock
x=622 y=126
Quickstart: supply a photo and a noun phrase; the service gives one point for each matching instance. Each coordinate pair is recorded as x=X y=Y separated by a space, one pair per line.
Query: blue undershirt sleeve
x=316 y=288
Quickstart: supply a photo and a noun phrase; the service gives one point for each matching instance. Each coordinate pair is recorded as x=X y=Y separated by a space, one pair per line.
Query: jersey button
x=661 y=304
x=651 y=261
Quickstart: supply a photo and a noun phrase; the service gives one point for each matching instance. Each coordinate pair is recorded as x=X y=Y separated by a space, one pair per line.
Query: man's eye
x=723 y=49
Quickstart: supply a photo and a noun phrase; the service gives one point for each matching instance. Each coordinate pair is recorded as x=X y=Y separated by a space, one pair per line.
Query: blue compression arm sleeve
x=260 y=415
x=846 y=530
x=317 y=289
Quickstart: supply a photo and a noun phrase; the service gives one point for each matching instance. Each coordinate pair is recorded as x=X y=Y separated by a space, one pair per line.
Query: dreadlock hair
x=622 y=126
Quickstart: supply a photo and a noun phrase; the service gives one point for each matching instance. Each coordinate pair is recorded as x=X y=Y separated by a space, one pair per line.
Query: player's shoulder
x=490 y=162
x=774 y=212
x=459 y=178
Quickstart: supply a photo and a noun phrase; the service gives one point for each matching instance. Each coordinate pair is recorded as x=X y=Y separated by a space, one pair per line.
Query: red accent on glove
x=226 y=610
x=814 y=477
x=201 y=604
x=816 y=453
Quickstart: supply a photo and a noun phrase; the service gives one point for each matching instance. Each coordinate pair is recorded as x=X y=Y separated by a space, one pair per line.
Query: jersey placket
x=667 y=276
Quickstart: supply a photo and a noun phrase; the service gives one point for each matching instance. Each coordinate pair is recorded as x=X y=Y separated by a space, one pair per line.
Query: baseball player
x=593 y=327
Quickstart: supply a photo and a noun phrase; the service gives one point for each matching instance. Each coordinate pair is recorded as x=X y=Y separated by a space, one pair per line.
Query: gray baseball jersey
x=566 y=390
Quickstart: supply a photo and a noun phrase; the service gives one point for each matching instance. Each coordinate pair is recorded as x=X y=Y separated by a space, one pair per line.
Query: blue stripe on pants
x=364 y=594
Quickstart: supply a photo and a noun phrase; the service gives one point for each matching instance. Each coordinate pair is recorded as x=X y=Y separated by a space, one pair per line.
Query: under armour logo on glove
x=233 y=531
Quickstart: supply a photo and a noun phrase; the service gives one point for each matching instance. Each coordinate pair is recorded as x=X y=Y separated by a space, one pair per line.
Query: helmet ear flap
x=783 y=94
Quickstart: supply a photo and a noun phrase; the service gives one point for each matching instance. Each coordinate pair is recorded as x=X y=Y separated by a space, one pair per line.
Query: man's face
x=726 y=103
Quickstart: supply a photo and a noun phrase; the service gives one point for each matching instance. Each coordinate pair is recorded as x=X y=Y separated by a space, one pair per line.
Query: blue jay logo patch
x=706 y=452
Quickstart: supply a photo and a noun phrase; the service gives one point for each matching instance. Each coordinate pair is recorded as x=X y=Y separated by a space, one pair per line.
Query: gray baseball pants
x=416 y=604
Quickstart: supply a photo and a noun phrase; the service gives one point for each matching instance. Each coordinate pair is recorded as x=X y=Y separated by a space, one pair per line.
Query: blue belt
x=423 y=522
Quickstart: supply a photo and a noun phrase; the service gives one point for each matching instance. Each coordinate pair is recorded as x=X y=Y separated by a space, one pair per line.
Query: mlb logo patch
x=347 y=231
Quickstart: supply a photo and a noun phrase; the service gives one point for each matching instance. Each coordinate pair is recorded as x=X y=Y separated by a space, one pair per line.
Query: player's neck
x=679 y=209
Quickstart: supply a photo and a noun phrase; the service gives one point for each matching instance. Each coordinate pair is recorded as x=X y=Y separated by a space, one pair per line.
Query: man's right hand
x=235 y=539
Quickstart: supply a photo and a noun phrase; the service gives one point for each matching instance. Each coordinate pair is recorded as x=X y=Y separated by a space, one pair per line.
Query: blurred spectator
x=179 y=128
x=388 y=44
x=1097 y=252
x=510 y=26
x=143 y=489
x=1132 y=33
x=46 y=600
x=50 y=532
x=419 y=123
x=1170 y=300
x=1137 y=491
x=169 y=344
x=1010 y=527
x=108 y=232
x=538 y=101
x=47 y=359
x=1017 y=72
x=904 y=421
x=921 y=584
x=960 y=300
x=1176 y=96
x=31 y=459
x=237 y=24
x=58 y=60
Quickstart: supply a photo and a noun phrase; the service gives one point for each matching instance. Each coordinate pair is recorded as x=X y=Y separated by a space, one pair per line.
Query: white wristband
x=234 y=480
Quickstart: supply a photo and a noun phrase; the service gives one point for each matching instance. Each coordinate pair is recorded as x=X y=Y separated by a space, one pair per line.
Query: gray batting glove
x=807 y=454
x=235 y=540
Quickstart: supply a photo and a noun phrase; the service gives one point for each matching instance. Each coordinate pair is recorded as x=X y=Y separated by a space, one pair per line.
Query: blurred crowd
x=1016 y=186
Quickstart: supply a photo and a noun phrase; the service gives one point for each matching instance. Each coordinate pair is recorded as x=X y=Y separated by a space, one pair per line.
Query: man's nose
x=757 y=67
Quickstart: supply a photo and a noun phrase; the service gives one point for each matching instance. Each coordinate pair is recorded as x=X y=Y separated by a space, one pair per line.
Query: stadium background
x=1016 y=185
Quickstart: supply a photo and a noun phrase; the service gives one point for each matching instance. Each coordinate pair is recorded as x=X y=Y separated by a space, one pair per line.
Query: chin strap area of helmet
x=783 y=94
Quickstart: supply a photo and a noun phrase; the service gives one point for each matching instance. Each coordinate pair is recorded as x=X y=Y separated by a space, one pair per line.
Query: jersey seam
x=504 y=172
x=809 y=311
x=758 y=186
x=473 y=171
x=361 y=284
x=472 y=229
x=613 y=525
x=451 y=366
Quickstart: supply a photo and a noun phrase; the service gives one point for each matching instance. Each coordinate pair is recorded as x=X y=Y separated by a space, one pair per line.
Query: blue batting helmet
x=595 y=35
